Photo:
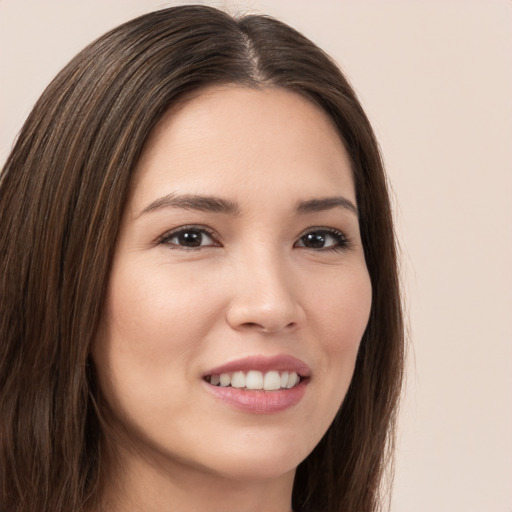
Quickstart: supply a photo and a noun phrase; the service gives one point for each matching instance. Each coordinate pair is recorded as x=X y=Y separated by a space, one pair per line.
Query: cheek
x=156 y=315
x=340 y=318
x=341 y=310
x=147 y=338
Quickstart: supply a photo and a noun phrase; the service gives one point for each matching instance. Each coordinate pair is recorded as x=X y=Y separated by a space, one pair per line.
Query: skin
x=254 y=286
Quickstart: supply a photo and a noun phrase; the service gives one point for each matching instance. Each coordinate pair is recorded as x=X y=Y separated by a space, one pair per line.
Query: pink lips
x=260 y=401
x=280 y=363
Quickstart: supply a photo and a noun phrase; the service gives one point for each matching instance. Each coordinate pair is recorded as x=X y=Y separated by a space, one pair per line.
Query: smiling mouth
x=255 y=380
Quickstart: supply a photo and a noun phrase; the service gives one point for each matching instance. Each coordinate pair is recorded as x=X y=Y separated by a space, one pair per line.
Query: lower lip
x=257 y=401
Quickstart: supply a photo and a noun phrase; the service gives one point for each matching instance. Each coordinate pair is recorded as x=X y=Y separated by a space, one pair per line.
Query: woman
x=200 y=302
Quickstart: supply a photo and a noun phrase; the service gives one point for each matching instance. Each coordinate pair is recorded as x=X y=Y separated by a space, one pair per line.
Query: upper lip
x=282 y=362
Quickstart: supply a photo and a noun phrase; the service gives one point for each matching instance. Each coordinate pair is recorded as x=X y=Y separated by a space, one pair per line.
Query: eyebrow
x=194 y=202
x=327 y=203
x=225 y=206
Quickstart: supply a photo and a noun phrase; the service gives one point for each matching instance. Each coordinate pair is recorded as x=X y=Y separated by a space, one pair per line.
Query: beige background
x=435 y=78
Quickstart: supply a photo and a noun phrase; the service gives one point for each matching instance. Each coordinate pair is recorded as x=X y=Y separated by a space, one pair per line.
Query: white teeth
x=225 y=379
x=293 y=379
x=254 y=380
x=270 y=381
x=238 y=380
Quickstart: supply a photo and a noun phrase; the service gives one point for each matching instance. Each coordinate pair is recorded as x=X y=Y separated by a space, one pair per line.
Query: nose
x=264 y=297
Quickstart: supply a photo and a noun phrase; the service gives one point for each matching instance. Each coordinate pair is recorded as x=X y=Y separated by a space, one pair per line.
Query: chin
x=260 y=468
x=261 y=459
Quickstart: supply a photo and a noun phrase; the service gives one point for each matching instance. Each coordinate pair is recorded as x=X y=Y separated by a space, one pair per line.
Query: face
x=239 y=291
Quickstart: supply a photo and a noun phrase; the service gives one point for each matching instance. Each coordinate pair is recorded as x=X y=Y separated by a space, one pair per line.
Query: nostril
x=266 y=329
x=254 y=325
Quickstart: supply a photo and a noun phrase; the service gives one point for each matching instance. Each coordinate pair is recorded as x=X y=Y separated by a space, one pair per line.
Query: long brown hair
x=62 y=195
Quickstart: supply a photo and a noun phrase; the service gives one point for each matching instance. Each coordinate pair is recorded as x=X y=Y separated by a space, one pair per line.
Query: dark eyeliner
x=166 y=237
x=342 y=241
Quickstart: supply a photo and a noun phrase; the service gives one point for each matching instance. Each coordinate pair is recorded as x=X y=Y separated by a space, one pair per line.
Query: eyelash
x=341 y=241
x=166 y=239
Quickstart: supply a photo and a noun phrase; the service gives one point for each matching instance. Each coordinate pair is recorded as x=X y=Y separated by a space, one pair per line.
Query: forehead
x=231 y=139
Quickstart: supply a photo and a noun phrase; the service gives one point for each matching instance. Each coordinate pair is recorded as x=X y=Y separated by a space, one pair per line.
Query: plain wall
x=436 y=80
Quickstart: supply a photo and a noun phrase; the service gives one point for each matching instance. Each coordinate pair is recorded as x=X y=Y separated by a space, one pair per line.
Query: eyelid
x=168 y=235
x=343 y=243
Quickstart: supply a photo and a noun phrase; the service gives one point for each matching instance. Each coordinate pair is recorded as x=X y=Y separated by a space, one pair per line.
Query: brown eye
x=314 y=240
x=323 y=239
x=189 y=238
